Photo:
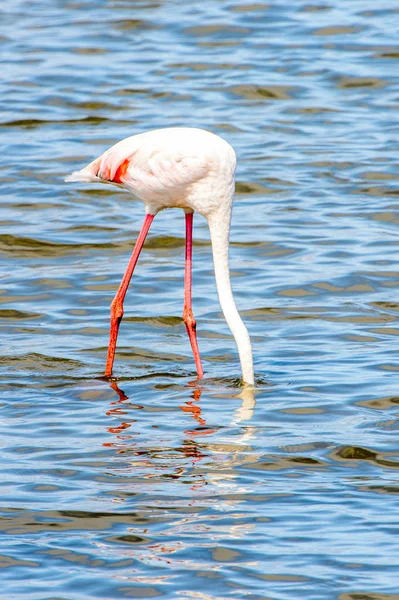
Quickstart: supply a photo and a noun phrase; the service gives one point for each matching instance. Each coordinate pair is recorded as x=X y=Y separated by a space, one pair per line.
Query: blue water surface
x=155 y=484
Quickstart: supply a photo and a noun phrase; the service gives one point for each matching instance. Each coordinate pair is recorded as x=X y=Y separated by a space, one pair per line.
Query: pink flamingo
x=186 y=168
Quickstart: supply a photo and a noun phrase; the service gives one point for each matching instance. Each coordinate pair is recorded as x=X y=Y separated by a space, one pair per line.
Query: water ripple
x=153 y=484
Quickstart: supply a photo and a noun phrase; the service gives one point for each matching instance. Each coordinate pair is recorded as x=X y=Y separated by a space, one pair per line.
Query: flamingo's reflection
x=192 y=446
x=155 y=469
x=191 y=407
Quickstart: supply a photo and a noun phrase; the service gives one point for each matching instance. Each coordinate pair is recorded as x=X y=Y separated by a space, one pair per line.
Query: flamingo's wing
x=159 y=168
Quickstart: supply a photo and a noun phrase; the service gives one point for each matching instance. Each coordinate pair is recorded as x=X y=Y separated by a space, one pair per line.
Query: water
x=156 y=485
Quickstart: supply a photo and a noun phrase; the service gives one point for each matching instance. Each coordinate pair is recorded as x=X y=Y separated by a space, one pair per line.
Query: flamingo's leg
x=188 y=316
x=117 y=302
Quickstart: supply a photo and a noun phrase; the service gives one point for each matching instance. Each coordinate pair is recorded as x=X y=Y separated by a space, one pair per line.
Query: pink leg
x=117 y=302
x=188 y=316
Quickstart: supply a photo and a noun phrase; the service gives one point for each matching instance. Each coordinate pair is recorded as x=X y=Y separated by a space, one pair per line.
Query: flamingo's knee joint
x=188 y=319
x=116 y=310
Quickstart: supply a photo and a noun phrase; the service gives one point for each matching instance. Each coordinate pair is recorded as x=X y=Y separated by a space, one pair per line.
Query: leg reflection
x=121 y=393
x=118 y=410
x=194 y=409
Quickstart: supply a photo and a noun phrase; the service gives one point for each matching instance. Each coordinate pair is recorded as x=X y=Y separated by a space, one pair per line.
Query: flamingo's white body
x=185 y=168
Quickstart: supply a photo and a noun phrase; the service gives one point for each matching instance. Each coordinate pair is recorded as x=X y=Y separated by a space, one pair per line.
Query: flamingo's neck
x=219 y=226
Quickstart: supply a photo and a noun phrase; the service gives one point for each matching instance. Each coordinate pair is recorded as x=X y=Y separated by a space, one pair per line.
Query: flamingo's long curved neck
x=219 y=226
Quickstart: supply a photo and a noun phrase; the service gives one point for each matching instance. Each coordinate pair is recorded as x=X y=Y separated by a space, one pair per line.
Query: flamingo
x=187 y=168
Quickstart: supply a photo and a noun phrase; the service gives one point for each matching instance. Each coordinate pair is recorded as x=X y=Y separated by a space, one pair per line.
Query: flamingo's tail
x=88 y=174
